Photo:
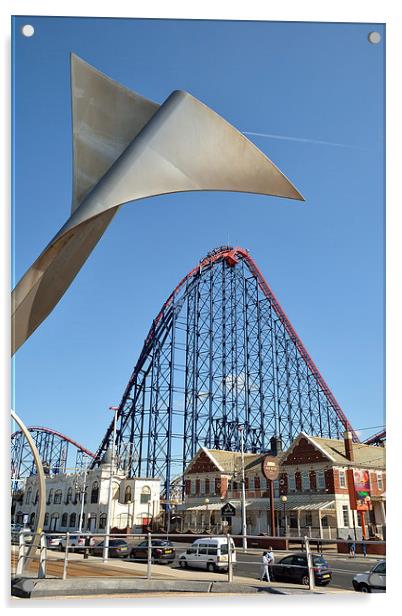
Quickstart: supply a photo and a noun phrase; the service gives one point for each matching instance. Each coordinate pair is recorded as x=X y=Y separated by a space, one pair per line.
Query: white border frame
x=368 y=11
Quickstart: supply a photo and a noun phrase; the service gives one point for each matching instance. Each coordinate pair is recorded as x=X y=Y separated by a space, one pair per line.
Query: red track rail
x=231 y=255
x=380 y=436
x=60 y=435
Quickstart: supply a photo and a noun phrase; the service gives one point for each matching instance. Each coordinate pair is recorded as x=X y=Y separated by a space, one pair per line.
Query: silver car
x=373 y=580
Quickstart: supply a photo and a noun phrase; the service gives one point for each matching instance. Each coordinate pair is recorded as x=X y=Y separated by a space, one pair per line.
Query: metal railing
x=69 y=544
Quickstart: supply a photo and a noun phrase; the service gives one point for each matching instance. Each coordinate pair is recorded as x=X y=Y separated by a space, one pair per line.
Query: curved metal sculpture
x=127 y=148
x=39 y=518
x=221 y=352
x=53 y=449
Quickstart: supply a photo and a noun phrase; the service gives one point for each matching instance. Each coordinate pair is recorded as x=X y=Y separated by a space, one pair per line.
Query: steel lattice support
x=220 y=353
x=55 y=450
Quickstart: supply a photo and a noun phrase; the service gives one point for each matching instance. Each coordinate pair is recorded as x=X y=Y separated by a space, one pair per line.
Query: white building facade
x=135 y=501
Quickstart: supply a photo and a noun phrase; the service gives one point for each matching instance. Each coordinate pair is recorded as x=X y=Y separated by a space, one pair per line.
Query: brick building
x=313 y=477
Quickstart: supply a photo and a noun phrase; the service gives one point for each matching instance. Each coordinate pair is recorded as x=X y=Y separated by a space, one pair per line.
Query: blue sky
x=306 y=83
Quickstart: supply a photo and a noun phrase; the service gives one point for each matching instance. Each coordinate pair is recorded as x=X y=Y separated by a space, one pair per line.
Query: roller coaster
x=220 y=354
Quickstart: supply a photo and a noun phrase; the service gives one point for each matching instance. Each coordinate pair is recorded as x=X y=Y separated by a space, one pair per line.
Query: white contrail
x=284 y=137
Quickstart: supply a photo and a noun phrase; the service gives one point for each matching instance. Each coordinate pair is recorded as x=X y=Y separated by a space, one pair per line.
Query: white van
x=210 y=553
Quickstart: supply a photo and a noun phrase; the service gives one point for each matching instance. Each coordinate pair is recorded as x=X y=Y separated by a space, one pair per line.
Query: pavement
x=92 y=577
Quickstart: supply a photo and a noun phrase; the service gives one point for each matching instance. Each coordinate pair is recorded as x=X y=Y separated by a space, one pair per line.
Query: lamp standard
x=243 y=492
x=81 y=487
x=109 y=504
x=284 y=499
x=206 y=501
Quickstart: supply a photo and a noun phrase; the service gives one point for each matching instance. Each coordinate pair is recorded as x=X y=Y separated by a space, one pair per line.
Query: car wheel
x=364 y=588
x=61 y=549
x=210 y=567
x=305 y=580
x=182 y=563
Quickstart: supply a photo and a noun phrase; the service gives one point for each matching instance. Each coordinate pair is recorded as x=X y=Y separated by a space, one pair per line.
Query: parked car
x=118 y=548
x=373 y=580
x=162 y=551
x=294 y=568
x=209 y=553
x=16 y=530
x=76 y=543
x=53 y=541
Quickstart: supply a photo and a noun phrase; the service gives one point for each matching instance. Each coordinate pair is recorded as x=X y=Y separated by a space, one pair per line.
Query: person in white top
x=264 y=567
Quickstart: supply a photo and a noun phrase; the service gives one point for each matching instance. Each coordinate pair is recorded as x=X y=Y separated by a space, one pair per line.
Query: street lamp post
x=109 y=504
x=243 y=493
x=207 y=512
x=82 y=487
x=284 y=499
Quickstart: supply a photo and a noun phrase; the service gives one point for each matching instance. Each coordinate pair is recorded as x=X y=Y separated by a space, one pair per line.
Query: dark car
x=118 y=548
x=162 y=551
x=293 y=568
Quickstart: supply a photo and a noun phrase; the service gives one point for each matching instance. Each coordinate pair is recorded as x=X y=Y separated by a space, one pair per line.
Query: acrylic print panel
x=310 y=97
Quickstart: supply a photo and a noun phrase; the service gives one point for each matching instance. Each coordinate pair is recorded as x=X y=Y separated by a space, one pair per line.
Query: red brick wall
x=329 y=481
x=375 y=491
x=337 y=486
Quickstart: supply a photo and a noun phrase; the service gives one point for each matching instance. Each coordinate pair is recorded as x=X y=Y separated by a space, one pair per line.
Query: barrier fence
x=216 y=553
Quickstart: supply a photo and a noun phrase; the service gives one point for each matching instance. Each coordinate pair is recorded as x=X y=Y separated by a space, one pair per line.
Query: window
x=309 y=518
x=287 y=561
x=345 y=513
x=276 y=488
x=69 y=496
x=263 y=483
x=293 y=519
x=64 y=519
x=207 y=486
x=28 y=496
x=95 y=492
x=380 y=568
x=102 y=520
x=36 y=497
x=324 y=521
x=86 y=495
x=32 y=519
x=58 y=495
x=291 y=482
x=305 y=481
x=73 y=519
x=50 y=497
x=320 y=480
x=202 y=486
x=251 y=484
x=127 y=495
x=379 y=481
x=145 y=495
x=46 y=520
x=342 y=479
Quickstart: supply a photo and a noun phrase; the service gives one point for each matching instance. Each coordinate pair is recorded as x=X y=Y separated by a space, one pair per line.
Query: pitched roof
x=231 y=460
x=364 y=455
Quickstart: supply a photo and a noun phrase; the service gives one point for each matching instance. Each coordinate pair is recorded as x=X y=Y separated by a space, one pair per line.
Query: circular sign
x=270 y=468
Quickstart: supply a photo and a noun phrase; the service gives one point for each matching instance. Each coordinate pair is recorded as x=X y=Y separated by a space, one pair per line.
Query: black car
x=293 y=568
x=118 y=548
x=162 y=551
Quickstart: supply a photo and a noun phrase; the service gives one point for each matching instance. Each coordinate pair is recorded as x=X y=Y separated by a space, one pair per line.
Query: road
x=247 y=566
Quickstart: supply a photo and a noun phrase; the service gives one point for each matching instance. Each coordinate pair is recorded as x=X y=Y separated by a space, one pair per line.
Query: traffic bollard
x=230 y=561
x=309 y=564
x=149 y=557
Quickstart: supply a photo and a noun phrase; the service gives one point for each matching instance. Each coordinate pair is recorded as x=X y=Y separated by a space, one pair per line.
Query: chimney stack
x=348 y=445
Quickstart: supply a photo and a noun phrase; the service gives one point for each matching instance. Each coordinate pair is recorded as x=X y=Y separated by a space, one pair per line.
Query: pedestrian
x=271 y=560
x=264 y=567
x=351 y=547
x=364 y=549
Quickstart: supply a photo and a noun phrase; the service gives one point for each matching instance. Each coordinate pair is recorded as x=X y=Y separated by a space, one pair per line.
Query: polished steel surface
x=127 y=148
x=40 y=514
